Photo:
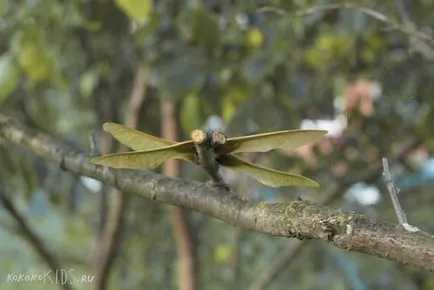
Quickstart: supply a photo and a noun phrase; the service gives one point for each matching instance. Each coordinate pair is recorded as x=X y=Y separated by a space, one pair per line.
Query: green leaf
x=222 y=254
x=9 y=75
x=33 y=59
x=138 y=10
x=255 y=38
x=232 y=99
x=88 y=82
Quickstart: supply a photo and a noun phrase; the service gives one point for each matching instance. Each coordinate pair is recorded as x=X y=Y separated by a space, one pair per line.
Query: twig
x=335 y=6
x=393 y=192
x=281 y=263
x=404 y=10
x=94 y=148
x=32 y=238
x=234 y=263
x=416 y=44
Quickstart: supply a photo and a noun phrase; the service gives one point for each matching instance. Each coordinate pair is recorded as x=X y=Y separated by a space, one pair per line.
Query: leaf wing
x=141 y=141
x=146 y=159
x=269 y=141
x=267 y=176
x=135 y=139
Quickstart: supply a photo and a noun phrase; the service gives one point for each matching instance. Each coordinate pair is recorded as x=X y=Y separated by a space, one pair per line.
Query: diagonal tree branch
x=33 y=239
x=296 y=219
x=288 y=255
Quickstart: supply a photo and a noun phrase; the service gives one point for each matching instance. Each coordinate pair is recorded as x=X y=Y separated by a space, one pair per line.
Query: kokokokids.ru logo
x=56 y=276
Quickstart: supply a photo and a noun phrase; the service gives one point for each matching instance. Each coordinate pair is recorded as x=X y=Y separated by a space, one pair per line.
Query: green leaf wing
x=267 y=176
x=135 y=139
x=146 y=159
x=269 y=141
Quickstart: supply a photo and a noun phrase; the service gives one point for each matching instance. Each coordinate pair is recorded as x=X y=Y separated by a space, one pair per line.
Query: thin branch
x=296 y=219
x=370 y=12
x=281 y=263
x=393 y=193
x=94 y=148
x=416 y=44
x=404 y=10
x=109 y=245
x=32 y=238
x=234 y=263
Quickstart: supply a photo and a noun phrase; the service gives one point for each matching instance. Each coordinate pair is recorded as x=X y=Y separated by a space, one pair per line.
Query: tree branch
x=296 y=219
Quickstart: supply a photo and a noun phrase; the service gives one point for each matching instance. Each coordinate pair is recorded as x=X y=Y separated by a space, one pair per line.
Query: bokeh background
x=364 y=72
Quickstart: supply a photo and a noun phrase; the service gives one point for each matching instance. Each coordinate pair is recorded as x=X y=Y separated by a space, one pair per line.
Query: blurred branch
x=185 y=245
x=404 y=10
x=296 y=219
x=109 y=244
x=94 y=148
x=28 y=119
x=289 y=255
x=279 y=265
x=393 y=193
x=32 y=238
x=368 y=11
x=238 y=233
x=234 y=264
x=416 y=43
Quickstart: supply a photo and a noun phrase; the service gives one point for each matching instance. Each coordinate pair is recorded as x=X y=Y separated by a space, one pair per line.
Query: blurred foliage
x=67 y=66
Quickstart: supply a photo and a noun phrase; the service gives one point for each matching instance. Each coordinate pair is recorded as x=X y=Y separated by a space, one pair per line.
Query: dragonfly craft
x=209 y=149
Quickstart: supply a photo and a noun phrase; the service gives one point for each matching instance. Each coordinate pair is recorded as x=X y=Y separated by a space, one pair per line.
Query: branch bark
x=296 y=219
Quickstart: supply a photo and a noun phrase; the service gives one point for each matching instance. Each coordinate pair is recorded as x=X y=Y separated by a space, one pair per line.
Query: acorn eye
x=198 y=136
x=218 y=138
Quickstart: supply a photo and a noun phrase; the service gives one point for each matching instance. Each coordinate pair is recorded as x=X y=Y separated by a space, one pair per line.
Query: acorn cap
x=198 y=136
